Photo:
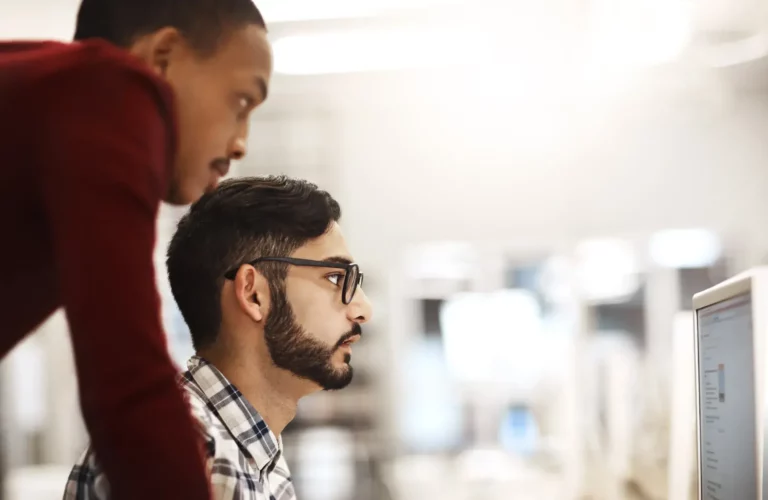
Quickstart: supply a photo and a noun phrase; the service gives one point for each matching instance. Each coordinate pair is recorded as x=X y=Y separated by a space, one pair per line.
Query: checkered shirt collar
x=236 y=413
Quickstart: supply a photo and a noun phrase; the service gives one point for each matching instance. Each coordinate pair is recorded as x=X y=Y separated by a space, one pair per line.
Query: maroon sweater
x=87 y=137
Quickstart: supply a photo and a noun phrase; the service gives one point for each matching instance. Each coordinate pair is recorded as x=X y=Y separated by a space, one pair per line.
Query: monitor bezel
x=740 y=285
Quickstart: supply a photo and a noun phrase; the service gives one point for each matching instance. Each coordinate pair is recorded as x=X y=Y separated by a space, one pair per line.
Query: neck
x=273 y=392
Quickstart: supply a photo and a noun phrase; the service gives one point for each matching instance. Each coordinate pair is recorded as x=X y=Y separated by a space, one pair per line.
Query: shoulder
x=230 y=477
x=222 y=448
x=68 y=71
x=210 y=426
x=102 y=94
x=56 y=81
x=198 y=404
x=105 y=81
x=99 y=66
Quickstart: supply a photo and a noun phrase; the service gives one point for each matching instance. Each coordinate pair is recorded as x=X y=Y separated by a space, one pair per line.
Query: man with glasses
x=263 y=277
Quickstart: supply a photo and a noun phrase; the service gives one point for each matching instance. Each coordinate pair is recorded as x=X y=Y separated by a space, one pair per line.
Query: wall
x=432 y=179
x=417 y=166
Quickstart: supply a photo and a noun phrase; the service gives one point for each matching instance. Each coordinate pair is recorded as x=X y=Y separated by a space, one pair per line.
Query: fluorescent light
x=607 y=269
x=685 y=248
x=624 y=34
x=441 y=261
x=307 y=10
x=640 y=33
x=374 y=50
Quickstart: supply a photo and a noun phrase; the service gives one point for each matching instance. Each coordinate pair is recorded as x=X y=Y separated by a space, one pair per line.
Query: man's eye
x=244 y=106
x=246 y=102
x=336 y=278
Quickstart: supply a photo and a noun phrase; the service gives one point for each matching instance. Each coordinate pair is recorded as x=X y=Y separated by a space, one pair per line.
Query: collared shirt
x=244 y=457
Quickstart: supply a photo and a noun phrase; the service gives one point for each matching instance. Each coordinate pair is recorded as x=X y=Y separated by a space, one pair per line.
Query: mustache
x=356 y=330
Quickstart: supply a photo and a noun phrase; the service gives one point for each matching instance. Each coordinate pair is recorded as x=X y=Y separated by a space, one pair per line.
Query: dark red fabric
x=87 y=135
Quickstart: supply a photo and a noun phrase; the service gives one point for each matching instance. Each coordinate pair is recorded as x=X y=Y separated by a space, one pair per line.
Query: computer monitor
x=730 y=321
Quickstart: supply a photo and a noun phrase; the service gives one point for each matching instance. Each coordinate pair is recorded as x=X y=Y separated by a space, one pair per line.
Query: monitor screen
x=727 y=400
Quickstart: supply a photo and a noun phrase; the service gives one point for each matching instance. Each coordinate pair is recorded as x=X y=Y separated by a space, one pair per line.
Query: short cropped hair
x=202 y=22
x=240 y=221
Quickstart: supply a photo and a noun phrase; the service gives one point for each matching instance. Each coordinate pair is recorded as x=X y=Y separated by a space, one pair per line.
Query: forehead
x=245 y=52
x=330 y=244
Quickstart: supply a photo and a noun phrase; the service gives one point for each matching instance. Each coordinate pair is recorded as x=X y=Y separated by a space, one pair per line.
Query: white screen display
x=727 y=437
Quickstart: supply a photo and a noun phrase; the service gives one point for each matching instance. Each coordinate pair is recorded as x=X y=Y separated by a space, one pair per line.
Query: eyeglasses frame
x=349 y=267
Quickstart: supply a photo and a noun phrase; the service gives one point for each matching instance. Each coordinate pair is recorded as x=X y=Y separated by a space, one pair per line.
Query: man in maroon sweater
x=150 y=103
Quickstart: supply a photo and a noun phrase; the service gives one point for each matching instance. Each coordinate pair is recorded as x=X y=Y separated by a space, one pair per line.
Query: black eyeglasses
x=353 y=278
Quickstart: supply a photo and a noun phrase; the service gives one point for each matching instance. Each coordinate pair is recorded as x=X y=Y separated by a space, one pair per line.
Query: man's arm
x=87 y=479
x=103 y=177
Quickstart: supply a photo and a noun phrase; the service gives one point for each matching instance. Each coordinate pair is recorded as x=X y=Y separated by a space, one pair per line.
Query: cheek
x=320 y=317
x=318 y=331
x=205 y=122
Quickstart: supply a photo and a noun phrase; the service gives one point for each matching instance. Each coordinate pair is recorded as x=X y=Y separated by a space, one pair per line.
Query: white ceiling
x=55 y=18
x=302 y=10
x=745 y=16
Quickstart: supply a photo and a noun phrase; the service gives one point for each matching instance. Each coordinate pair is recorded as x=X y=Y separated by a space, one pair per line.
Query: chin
x=181 y=197
x=341 y=379
x=186 y=193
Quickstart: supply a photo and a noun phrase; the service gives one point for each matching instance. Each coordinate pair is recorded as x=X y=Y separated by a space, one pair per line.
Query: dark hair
x=241 y=220
x=202 y=22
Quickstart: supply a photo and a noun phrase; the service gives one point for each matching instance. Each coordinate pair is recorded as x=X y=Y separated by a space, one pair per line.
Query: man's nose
x=238 y=149
x=360 y=309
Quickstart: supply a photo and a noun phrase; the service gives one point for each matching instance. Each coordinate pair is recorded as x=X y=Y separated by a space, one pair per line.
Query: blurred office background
x=535 y=189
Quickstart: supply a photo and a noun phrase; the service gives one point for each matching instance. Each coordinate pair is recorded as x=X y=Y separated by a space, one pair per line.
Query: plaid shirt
x=244 y=457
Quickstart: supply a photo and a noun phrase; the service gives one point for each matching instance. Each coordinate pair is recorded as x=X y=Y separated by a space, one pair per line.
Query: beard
x=292 y=348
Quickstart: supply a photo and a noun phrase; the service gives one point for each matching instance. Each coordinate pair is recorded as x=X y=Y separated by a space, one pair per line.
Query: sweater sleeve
x=105 y=169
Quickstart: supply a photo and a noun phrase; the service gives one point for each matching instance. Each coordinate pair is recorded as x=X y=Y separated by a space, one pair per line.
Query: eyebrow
x=338 y=259
x=262 y=84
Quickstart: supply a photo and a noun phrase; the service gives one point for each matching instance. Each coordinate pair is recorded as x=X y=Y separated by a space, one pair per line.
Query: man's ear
x=160 y=48
x=252 y=293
